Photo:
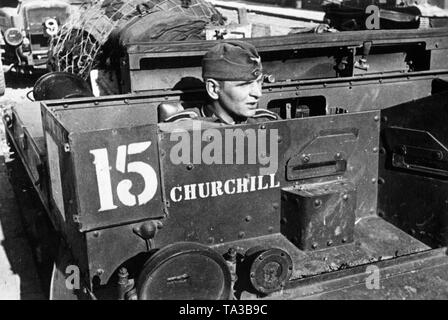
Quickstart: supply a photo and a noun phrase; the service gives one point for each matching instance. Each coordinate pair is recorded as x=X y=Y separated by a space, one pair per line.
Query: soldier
x=232 y=74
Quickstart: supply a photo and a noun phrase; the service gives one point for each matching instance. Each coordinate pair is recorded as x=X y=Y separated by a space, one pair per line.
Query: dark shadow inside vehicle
x=413 y=157
x=439 y=85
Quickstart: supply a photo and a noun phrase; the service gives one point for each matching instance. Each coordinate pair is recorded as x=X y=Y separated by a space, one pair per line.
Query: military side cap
x=232 y=61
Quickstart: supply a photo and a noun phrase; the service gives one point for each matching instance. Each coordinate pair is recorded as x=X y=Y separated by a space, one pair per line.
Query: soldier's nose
x=256 y=90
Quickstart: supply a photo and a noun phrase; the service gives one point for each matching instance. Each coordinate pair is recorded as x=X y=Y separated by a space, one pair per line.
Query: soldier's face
x=240 y=98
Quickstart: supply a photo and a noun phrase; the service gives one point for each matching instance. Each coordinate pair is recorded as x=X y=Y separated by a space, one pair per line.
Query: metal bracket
x=417 y=150
x=362 y=63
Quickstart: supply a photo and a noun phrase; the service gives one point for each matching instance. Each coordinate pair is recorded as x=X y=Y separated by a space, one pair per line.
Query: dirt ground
x=18 y=276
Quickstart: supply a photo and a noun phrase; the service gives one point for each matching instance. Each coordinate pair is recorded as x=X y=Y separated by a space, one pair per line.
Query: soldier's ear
x=212 y=86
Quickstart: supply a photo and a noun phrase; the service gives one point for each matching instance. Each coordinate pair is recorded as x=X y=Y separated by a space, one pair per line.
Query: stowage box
x=319 y=216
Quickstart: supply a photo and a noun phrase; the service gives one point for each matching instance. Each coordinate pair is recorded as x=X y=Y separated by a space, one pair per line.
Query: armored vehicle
x=344 y=197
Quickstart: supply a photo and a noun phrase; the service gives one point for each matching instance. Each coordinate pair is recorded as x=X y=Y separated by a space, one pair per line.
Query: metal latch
x=326 y=155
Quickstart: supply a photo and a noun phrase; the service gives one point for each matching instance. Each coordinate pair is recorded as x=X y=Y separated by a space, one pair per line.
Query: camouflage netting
x=87 y=39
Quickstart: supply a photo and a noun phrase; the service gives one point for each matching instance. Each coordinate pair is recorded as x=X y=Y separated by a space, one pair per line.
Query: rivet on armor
x=305 y=158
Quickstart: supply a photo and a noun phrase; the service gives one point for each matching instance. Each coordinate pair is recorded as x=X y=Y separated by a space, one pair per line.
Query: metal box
x=103 y=162
x=318 y=216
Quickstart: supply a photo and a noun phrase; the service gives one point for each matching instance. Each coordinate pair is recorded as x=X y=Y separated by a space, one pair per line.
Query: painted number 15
x=105 y=188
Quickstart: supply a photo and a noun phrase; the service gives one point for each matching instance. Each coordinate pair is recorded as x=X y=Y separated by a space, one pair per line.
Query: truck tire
x=2 y=79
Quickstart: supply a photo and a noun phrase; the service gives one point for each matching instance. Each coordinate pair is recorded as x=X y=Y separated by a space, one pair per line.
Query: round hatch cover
x=270 y=270
x=184 y=271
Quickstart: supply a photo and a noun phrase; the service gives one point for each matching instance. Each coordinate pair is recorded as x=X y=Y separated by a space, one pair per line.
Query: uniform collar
x=207 y=113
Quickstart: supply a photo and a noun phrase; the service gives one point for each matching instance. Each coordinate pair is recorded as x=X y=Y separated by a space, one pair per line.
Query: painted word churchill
x=219 y=188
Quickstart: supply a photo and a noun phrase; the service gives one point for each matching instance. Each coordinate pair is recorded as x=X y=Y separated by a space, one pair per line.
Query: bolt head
x=231 y=251
x=123 y=271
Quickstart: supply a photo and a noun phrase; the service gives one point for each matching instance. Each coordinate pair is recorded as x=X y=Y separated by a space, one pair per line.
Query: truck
x=26 y=27
x=342 y=198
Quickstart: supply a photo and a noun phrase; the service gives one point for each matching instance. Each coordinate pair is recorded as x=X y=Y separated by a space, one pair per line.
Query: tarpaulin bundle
x=164 y=20
x=164 y=26
x=97 y=37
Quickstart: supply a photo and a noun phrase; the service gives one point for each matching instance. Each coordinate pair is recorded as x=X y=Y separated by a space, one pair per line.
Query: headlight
x=13 y=37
